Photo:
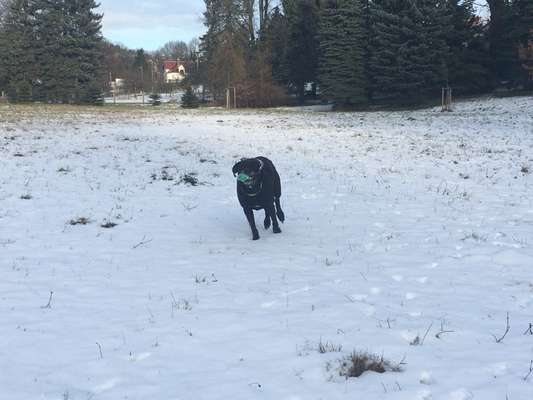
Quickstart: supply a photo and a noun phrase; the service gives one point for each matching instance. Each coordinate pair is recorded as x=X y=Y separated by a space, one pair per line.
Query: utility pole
x=142 y=81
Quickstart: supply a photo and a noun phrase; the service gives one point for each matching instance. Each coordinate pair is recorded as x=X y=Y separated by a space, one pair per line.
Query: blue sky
x=149 y=24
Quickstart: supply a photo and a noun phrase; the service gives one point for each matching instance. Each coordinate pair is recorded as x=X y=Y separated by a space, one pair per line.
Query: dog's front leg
x=250 y=217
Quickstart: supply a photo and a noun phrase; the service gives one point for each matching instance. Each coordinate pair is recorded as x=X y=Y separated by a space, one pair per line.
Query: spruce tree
x=87 y=44
x=522 y=21
x=155 y=99
x=189 y=99
x=503 y=52
x=52 y=51
x=408 y=49
x=343 y=37
x=277 y=37
x=389 y=44
x=468 y=62
x=53 y=47
x=301 y=57
x=522 y=37
x=17 y=41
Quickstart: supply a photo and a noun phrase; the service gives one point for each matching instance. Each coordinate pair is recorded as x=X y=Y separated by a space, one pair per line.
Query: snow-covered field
x=136 y=99
x=408 y=235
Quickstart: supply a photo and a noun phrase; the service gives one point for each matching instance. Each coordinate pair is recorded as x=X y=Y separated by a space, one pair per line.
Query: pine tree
x=522 y=21
x=54 y=46
x=17 y=49
x=343 y=37
x=277 y=37
x=52 y=51
x=155 y=99
x=391 y=37
x=189 y=99
x=408 y=49
x=503 y=53
x=301 y=57
x=93 y=94
x=87 y=44
x=468 y=62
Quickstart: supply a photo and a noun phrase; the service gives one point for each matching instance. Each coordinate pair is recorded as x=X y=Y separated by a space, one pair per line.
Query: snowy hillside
x=409 y=235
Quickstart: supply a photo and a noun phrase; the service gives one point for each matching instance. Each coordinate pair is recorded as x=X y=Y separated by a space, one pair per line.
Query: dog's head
x=248 y=171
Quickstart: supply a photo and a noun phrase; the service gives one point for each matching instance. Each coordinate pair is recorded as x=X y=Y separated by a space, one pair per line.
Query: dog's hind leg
x=270 y=211
x=267 y=220
x=279 y=211
x=250 y=217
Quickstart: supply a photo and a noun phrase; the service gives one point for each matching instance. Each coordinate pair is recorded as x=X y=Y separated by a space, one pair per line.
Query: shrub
x=155 y=99
x=189 y=99
x=358 y=363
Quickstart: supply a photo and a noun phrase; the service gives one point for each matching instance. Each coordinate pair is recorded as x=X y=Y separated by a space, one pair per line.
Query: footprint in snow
x=426 y=378
x=461 y=394
x=358 y=297
x=375 y=290
x=139 y=357
x=107 y=385
x=424 y=395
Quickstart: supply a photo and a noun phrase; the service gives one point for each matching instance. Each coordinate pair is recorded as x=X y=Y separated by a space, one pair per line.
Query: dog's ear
x=236 y=168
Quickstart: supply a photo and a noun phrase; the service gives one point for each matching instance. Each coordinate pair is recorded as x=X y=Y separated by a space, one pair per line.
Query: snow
x=408 y=235
x=137 y=98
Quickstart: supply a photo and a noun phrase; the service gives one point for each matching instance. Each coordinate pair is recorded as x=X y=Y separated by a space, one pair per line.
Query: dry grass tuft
x=80 y=221
x=357 y=363
x=328 y=347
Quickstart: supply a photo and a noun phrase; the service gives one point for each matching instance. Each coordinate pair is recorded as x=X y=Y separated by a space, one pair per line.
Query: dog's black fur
x=262 y=192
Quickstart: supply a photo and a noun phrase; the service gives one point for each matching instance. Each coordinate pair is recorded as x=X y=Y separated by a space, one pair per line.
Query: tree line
x=360 y=52
x=260 y=53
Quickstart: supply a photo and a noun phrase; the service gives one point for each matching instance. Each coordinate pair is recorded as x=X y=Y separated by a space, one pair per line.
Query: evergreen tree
x=17 y=61
x=301 y=57
x=87 y=44
x=155 y=99
x=343 y=38
x=522 y=37
x=408 y=49
x=52 y=51
x=276 y=34
x=189 y=99
x=503 y=53
x=468 y=62
x=522 y=21
x=93 y=94
x=54 y=46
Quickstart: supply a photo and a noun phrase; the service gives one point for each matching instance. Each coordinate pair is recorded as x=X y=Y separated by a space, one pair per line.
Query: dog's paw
x=267 y=223
x=281 y=216
x=276 y=229
x=255 y=236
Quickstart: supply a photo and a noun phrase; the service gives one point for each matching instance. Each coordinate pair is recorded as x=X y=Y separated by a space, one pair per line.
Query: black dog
x=259 y=187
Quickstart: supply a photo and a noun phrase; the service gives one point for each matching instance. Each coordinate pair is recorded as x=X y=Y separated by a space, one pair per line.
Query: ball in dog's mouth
x=246 y=179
